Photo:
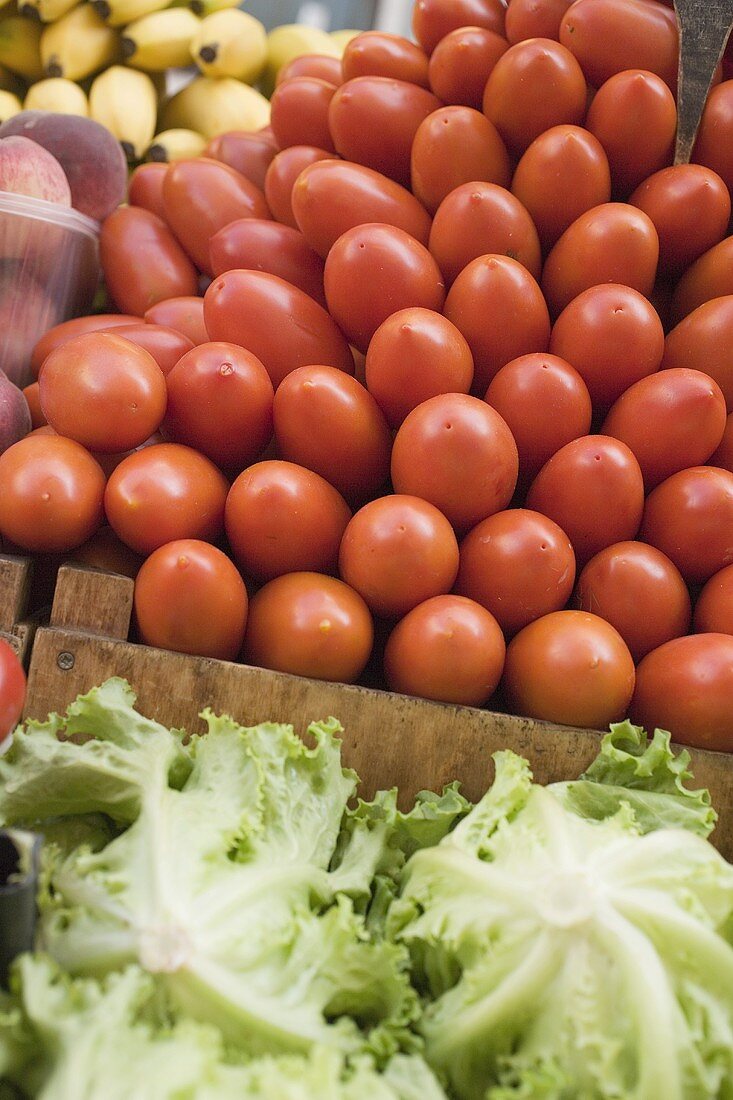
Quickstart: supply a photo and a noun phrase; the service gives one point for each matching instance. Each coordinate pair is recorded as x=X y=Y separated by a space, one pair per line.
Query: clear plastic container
x=49 y=272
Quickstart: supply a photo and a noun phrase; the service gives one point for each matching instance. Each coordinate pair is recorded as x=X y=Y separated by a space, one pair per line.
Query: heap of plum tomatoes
x=454 y=411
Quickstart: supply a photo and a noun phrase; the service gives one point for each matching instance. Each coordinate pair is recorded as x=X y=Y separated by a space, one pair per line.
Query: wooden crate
x=389 y=739
x=17 y=625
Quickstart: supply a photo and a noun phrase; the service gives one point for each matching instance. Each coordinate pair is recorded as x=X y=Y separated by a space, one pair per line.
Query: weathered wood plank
x=92 y=600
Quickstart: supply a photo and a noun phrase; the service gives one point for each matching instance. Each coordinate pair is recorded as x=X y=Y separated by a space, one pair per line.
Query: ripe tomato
x=142 y=262
x=275 y=321
x=456 y=452
x=701 y=341
x=166 y=345
x=560 y=175
x=320 y=65
x=569 y=667
x=30 y=392
x=723 y=455
x=145 y=187
x=51 y=492
x=282 y=174
x=220 y=402
x=162 y=493
x=536 y=84
x=638 y=590
x=185 y=315
x=373 y=271
x=12 y=689
x=534 y=18
x=710 y=276
x=686 y=686
x=300 y=112
x=454 y=146
x=432 y=20
x=268 y=246
x=713 y=143
x=593 y=488
x=519 y=565
x=689 y=517
x=461 y=64
x=104 y=550
x=611 y=36
x=398 y=551
x=247 y=153
x=283 y=518
x=200 y=197
x=488 y=291
x=309 y=625
x=687 y=411
x=327 y=421
x=67 y=330
x=415 y=354
x=331 y=196
x=714 y=605
x=375 y=53
x=480 y=218
x=447 y=648
x=190 y=598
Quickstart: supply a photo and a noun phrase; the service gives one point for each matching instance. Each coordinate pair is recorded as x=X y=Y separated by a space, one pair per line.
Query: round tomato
x=570 y=667
x=714 y=138
x=282 y=174
x=710 y=276
x=723 y=455
x=300 y=112
x=398 y=551
x=714 y=605
x=283 y=518
x=190 y=598
x=142 y=262
x=375 y=53
x=686 y=686
x=519 y=565
x=701 y=341
x=145 y=187
x=611 y=36
x=51 y=492
x=164 y=344
x=309 y=625
x=455 y=146
x=247 y=153
x=448 y=648
x=268 y=246
x=12 y=689
x=162 y=493
x=432 y=20
x=320 y=65
x=184 y=314
x=33 y=400
x=461 y=64
x=534 y=18
x=67 y=330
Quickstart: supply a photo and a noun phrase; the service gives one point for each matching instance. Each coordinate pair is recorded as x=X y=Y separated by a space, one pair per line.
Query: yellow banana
x=78 y=44
x=9 y=105
x=342 y=38
x=230 y=43
x=161 y=40
x=292 y=40
x=57 y=94
x=125 y=101
x=48 y=11
x=179 y=144
x=213 y=105
x=208 y=7
x=118 y=13
x=20 y=46
x=10 y=82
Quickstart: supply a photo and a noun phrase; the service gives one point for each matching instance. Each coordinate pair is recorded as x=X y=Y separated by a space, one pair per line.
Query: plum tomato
x=709 y=276
x=458 y=453
x=611 y=36
x=376 y=53
x=162 y=493
x=282 y=518
x=299 y=115
x=519 y=565
x=701 y=341
x=190 y=598
x=432 y=20
x=686 y=686
x=67 y=330
x=166 y=345
x=145 y=187
x=723 y=454
x=309 y=625
x=714 y=605
x=714 y=143
x=534 y=19
x=282 y=174
x=250 y=154
x=593 y=488
x=51 y=492
x=268 y=246
x=12 y=689
x=33 y=400
x=397 y=551
x=321 y=65
x=686 y=410
x=373 y=271
x=461 y=64
x=570 y=667
x=142 y=262
x=448 y=648
x=454 y=146
x=689 y=517
x=637 y=589
x=184 y=314
x=415 y=354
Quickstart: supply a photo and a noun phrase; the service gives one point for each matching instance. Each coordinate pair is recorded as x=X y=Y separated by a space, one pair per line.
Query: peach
x=26 y=168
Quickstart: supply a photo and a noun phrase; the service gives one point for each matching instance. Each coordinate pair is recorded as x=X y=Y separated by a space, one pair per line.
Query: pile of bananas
x=114 y=60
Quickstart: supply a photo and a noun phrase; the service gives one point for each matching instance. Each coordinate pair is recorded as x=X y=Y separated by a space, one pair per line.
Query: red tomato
x=220 y=402
x=103 y=391
x=489 y=291
x=710 y=276
x=398 y=551
x=373 y=271
x=480 y=218
x=610 y=36
x=200 y=197
x=569 y=667
x=51 y=493
x=454 y=146
x=282 y=518
x=432 y=20
x=104 y=550
x=164 y=344
x=462 y=62
x=671 y=420
x=332 y=196
x=276 y=321
x=300 y=112
x=185 y=315
x=613 y=336
x=322 y=66
x=375 y=53
x=281 y=176
x=247 y=153
x=638 y=590
x=686 y=686
x=689 y=517
x=593 y=488
x=373 y=121
x=12 y=689
x=714 y=605
x=519 y=565
x=610 y=243
x=536 y=84
x=701 y=341
x=67 y=330
x=416 y=354
x=535 y=18
x=561 y=174
x=145 y=188
x=162 y=493
x=448 y=648
x=309 y=625
x=713 y=146
x=327 y=421
x=142 y=262
x=33 y=400
x=546 y=404
x=190 y=598
x=456 y=452
x=268 y=246
x=723 y=455
x=634 y=116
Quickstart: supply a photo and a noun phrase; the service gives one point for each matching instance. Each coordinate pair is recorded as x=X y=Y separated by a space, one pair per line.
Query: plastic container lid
x=52 y=212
